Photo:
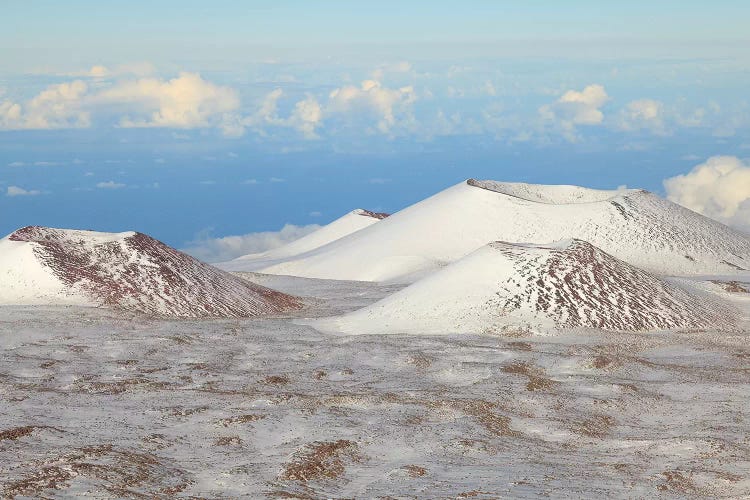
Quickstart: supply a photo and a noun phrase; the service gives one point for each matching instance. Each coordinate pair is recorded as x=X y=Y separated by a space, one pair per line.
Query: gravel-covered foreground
x=110 y=405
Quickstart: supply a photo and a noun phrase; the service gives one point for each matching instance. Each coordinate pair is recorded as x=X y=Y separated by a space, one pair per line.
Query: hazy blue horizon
x=190 y=122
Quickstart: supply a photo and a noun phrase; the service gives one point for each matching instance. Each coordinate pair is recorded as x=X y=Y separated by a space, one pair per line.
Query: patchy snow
x=640 y=389
x=633 y=225
x=343 y=226
x=505 y=287
x=100 y=403
x=129 y=271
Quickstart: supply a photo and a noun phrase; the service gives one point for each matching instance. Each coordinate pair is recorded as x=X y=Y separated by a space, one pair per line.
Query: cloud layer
x=718 y=188
x=393 y=100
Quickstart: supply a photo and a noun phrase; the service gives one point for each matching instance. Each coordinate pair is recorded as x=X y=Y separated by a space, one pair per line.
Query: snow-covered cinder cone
x=341 y=227
x=504 y=288
x=129 y=271
x=633 y=225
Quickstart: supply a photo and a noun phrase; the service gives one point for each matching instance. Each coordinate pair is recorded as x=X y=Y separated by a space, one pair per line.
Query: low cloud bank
x=210 y=249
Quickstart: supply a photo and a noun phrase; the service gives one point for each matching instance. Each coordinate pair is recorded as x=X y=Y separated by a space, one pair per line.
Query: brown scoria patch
x=228 y=441
x=678 y=482
x=276 y=380
x=732 y=286
x=601 y=361
x=414 y=470
x=474 y=493
x=16 y=432
x=520 y=346
x=484 y=412
x=598 y=426
x=121 y=386
x=537 y=381
x=240 y=419
x=321 y=460
x=112 y=471
x=421 y=361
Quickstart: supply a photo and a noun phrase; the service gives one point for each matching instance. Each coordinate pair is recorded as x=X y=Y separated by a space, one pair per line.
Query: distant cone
x=340 y=228
x=634 y=225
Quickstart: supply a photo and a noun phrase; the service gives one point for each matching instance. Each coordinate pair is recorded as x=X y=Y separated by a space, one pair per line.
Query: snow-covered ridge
x=507 y=287
x=634 y=225
x=130 y=271
x=343 y=226
x=553 y=195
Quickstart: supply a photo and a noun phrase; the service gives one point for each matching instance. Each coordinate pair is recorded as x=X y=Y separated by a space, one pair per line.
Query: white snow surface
x=506 y=287
x=633 y=225
x=129 y=271
x=96 y=403
x=343 y=226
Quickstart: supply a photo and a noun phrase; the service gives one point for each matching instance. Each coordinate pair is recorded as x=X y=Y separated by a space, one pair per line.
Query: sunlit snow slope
x=130 y=271
x=633 y=225
x=506 y=288
x=343 y=226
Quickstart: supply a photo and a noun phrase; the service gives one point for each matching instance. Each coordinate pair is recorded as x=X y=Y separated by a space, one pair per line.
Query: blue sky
x=190 y=120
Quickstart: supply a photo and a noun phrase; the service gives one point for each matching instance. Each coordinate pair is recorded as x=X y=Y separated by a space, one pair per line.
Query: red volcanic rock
x=374 y=215
x=134 y=272
x=515 y=288
x=579 y=285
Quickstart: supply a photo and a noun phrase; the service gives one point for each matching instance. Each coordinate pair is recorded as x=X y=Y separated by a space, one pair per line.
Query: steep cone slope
x=129 y=271
x=507 y=287
x=343 y=226
x=636 y=226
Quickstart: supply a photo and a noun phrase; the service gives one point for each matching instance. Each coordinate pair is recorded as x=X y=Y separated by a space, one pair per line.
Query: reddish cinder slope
x=566 y=285
x=135 y=272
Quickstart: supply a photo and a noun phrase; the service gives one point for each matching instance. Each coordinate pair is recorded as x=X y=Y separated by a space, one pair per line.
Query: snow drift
x=633 y=225
x=505 y=287
x=129 y=271
x=343 y=226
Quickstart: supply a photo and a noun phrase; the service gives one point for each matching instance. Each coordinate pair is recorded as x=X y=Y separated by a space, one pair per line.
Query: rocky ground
x=111 y=405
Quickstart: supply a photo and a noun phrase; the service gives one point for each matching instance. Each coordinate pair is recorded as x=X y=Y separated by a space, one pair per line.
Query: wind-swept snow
x=633 y=225
x=505 y=287
x=129 y=271
x=343 y=226
x=100 y=404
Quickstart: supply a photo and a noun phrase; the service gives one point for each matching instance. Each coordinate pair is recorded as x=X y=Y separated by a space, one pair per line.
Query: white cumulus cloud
x=17 y=191
x=187 y=101
x=643 y=114
x=307 y=116
x=110 y=185
x=58 y=106
x=387 y=104
x=576 y=108
x=718 y=188
x=209 y=249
